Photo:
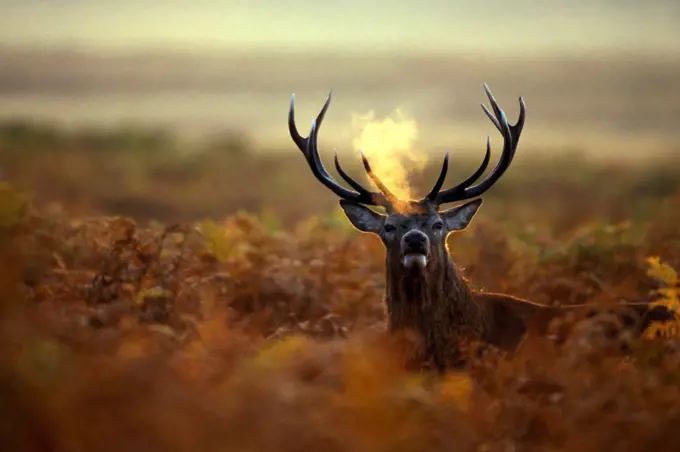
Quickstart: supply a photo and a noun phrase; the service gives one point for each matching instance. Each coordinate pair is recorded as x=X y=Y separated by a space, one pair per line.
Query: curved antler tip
x=367 y=165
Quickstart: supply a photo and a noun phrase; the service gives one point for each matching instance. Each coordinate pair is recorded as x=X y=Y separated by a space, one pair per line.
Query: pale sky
x=505 y=26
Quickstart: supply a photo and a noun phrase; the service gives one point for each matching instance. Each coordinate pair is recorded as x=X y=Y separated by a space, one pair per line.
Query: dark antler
x=511 y=134
x=309 y=149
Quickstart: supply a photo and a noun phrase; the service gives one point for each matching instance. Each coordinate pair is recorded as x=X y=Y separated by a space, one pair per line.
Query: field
x=160 y=299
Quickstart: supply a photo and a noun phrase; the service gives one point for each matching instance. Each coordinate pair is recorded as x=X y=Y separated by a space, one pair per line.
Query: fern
x=669 y=298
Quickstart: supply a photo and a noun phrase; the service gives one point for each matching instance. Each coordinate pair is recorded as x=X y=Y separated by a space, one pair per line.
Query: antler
x=309 y=149
x=510 y=134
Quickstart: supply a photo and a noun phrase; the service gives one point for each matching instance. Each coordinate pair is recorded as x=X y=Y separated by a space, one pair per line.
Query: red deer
x=424 y=292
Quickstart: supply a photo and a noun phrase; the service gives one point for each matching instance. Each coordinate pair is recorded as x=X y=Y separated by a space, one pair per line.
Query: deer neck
x=439 y=293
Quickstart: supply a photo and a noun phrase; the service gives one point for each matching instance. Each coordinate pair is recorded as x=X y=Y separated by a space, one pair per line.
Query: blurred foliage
x=668 y=297
x=250 y=317
x=153 y=175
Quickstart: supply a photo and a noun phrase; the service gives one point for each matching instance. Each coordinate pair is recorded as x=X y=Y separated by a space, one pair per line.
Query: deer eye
x=438 y=226
x=390 y=228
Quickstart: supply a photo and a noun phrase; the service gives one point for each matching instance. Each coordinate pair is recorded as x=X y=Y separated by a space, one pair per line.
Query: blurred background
x=177 y=110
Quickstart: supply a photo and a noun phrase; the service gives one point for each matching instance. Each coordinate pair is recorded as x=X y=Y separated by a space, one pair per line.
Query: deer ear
x=458 y=218
x=361 y=217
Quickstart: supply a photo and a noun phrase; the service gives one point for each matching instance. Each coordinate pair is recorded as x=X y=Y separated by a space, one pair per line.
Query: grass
x=160 y=299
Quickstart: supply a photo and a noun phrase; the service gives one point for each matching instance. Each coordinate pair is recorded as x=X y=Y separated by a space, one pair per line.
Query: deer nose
x=414 y=242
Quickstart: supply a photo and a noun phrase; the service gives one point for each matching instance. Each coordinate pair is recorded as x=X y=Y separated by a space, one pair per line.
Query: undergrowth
x=240 y=334
x=668 y=296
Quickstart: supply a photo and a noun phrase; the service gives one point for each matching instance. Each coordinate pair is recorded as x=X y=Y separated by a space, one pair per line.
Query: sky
x=493 y=26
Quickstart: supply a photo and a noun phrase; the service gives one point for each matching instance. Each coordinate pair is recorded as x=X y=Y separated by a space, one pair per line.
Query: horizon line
x=225 y=50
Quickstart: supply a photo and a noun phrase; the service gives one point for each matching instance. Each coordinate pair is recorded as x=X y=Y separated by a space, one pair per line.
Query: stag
x=424 y=291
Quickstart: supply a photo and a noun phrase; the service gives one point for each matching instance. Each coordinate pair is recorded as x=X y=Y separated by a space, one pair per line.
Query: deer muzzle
x=415 y=250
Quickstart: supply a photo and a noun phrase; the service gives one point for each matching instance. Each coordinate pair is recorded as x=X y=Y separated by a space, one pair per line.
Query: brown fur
x=436 y=306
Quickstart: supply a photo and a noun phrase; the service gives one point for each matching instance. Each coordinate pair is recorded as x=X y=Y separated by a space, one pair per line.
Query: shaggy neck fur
x=436 y=304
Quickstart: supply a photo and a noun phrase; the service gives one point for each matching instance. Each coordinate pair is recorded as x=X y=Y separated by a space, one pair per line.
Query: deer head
x=413 y=231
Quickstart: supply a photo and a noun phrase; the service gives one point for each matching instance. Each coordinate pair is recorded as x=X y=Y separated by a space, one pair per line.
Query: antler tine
x=477 y=174
x=510 y=134
x=440 y=180
x=376 y=180
x=292 y=128
x=310 y=150
x=303 y=143
x=432 y=196
x=354 y=184
x=515 y=129
x=385 y=198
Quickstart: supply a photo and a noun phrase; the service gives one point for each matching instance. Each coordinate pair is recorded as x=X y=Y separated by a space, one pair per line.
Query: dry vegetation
x=261 y=329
